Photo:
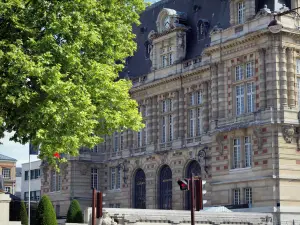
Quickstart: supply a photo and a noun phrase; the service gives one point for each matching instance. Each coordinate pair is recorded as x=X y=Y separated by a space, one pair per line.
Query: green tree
x=74 y=213
x=45 y=214
x=59 y=66
x=23 y=214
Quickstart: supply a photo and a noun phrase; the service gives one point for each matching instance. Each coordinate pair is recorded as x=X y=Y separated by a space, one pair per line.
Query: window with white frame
x=167 y=121
x=7 y=189
x=116 y=142
x=94 y=178
x=248 y=152
x=236 y=197
x=115 y=178
x=250 y=97
x=166 y=57
x=245 y=89
x=241 y=12
x=194 y=114
x=240 y=99
x=249 y=69
x=236 y=153
x=55 y=181
x=248 y=195
x=239 y=72
x=6 y=173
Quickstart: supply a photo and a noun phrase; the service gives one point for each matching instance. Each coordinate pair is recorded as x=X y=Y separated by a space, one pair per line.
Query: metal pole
x=200 y=194
x=94 y=207
x=192 y=187
x=99 y=204
x=29 y=178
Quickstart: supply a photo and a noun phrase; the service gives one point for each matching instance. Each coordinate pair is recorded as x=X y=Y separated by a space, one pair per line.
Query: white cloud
x=15 y=150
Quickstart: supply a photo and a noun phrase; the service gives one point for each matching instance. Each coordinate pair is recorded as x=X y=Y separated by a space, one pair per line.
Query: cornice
x=171 y=78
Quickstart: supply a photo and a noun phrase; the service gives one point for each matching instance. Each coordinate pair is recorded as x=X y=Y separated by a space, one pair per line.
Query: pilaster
x=214 y=91
x=221 y=91
x=283 y=77
x=262 y=78
x=205 y=111
x=291 y=77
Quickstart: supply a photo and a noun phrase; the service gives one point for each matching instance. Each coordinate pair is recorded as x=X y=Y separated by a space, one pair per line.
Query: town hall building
x=217 y=83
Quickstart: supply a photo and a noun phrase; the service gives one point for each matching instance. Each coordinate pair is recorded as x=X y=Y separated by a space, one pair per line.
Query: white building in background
x=35 y=181
x=18 y=188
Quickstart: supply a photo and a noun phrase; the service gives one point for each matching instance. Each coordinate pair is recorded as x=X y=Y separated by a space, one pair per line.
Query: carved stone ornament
x=257 y=133
x=288 y=133
x=263 y=12
x=107 y=220
x=219 y=140
x=83 y=168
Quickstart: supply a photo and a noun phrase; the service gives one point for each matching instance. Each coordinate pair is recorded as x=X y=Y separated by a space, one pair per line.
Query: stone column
x=291 y=77
x=205 y=110
x=149 y=120
x=262 y=78
x=214 y=91
x=283 y=77
x=221 y=91
x=272 y=77
x=155 y=120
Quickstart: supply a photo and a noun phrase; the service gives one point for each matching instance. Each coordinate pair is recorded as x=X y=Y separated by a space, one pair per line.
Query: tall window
x=248 y=152
x=95 y=149
x=6 y=173
x=55 y=182
x=241 y=12
x=236 y=197
x=115 y=178
x=250 y=97
x=167 y=121
x=94 y=178
x=26 y=175
x=116 y=142
x=248 y=196
x=240 y=99
x=245 y=88
x=195 y=118
x=165 y=188
x=122 y=141
x=236 y=153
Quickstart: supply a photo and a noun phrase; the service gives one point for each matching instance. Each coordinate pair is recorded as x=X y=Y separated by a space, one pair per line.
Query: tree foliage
x=74 y=214
x=23 y=214
x=45 y=214
x=59 y=65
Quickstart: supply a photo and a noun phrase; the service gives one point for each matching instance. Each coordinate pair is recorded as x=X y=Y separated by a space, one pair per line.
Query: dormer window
x=202 y=29
x=241 y=12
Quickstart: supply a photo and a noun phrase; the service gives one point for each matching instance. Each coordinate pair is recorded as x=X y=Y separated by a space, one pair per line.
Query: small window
x=6 y=173
x=7 y=189
x=239 y=73
x=26 y=175
x=202 y=29
x=249 y=69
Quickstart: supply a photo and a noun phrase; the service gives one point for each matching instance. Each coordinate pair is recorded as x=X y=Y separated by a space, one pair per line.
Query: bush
x=74 y=213
x=45 y=214
x=23 y=214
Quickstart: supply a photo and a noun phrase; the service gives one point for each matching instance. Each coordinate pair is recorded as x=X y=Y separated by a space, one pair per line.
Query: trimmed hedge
x=45 y=214
x=23 y=214
x=74 y=213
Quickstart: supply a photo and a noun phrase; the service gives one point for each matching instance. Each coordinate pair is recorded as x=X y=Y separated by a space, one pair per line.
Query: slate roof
x=214 y=11
x=7 y=158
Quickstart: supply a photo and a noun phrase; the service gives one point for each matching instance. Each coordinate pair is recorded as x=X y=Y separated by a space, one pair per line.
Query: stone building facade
x=8 y=172
x=219 y=93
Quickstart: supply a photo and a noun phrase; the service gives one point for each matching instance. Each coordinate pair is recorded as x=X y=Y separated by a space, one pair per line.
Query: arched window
x=202 y=29
x=165 y=188
x=140 y=190
x=193 y=167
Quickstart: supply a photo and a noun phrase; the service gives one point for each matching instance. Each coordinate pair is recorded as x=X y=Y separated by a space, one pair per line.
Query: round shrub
x=45 y=214
x=74 y=213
